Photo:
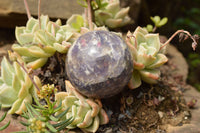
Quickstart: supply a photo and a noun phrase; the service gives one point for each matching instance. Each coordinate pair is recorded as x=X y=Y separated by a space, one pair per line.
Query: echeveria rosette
x=87 y=114
x=37 y=43
x=112 y=15
x=148 y=57
x=16 y=88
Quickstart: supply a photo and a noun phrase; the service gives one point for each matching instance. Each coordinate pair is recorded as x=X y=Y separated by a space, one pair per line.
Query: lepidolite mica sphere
x=99 y=64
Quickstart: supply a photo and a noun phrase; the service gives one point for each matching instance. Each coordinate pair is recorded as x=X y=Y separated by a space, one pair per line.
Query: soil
x=147 y=109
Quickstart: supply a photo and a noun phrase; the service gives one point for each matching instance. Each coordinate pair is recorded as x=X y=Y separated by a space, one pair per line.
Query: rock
x=179 y=60
x=12 y=12
x=54 y=8
x=190 y=93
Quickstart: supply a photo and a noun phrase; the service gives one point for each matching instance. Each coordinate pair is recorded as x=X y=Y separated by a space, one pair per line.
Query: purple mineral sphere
x=99 y=64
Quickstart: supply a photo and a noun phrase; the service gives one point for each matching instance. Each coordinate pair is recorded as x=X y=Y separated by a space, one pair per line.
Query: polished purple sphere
x=99 y=64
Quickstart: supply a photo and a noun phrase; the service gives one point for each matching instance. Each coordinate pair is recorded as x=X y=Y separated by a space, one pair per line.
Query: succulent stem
x=39 y=5
x=154 y=29
x=86 y=14
x=89 y=11
x=22 y=66
x=177 y=32
x=27 y=9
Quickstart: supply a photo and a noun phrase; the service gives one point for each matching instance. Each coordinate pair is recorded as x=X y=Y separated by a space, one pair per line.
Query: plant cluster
x=87 y=113
x=40 y=118
x=158 y=22
x=42 y=38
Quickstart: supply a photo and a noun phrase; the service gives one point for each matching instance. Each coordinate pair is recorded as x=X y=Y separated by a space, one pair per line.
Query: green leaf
x=62 y=122
x=33 y=110
x=59 y=107
x=69 y=121
x=79 y=22
x=155 y=19
x=5 y=126
x=29 y=110
x=149 y=28
x=162 y=22
x=3 y=117
x=62 y=114
x=51 y=128
x=31 y=23
x=25 y=123
x=53 y=118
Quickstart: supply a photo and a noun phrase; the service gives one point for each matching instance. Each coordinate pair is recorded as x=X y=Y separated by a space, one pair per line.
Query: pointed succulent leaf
x=44 y=21
x=135 y=81
x=87 y=120
x=113 y=7
x=44 y=37
x=160 y=60
x=62 y=48
x=38 y=52
x=112 y=23
x=49 y=49
x=7 y=99
x=31 y=23
x=18 y=90
x=103 y=117
x=153 y=41
x=76 y=22
x=21 y=37
x=101 y=16
x=37 y=63
x=95 y=125
x=150 y=75
x=7 y=71
x=24 y=51
x=122 y=13
x=140 y=38
x=86 y=112
x=16 y=83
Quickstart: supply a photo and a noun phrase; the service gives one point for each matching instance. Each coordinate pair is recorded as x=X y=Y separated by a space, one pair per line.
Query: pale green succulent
x=145 y=48
x=37 y=44
x=16 y=88
x=87 y=113
x=112 y=15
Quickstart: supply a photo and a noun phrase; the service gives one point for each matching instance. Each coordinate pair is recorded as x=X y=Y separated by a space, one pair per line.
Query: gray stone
x=13 y=12
x=54 y=8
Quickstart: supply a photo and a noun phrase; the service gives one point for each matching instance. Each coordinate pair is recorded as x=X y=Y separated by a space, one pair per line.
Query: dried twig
x=194 y=44
x=27 y=9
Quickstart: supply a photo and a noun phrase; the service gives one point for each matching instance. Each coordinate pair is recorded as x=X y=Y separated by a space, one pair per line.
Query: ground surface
x=156 y=108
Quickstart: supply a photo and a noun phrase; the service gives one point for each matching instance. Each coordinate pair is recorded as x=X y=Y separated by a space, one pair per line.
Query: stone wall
x=13 y=12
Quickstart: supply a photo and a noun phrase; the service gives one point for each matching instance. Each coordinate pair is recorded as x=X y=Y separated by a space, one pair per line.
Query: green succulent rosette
x=112 y=15
x=38 y=42
x=86 y=113
x=148 y=56
x=16 y=88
